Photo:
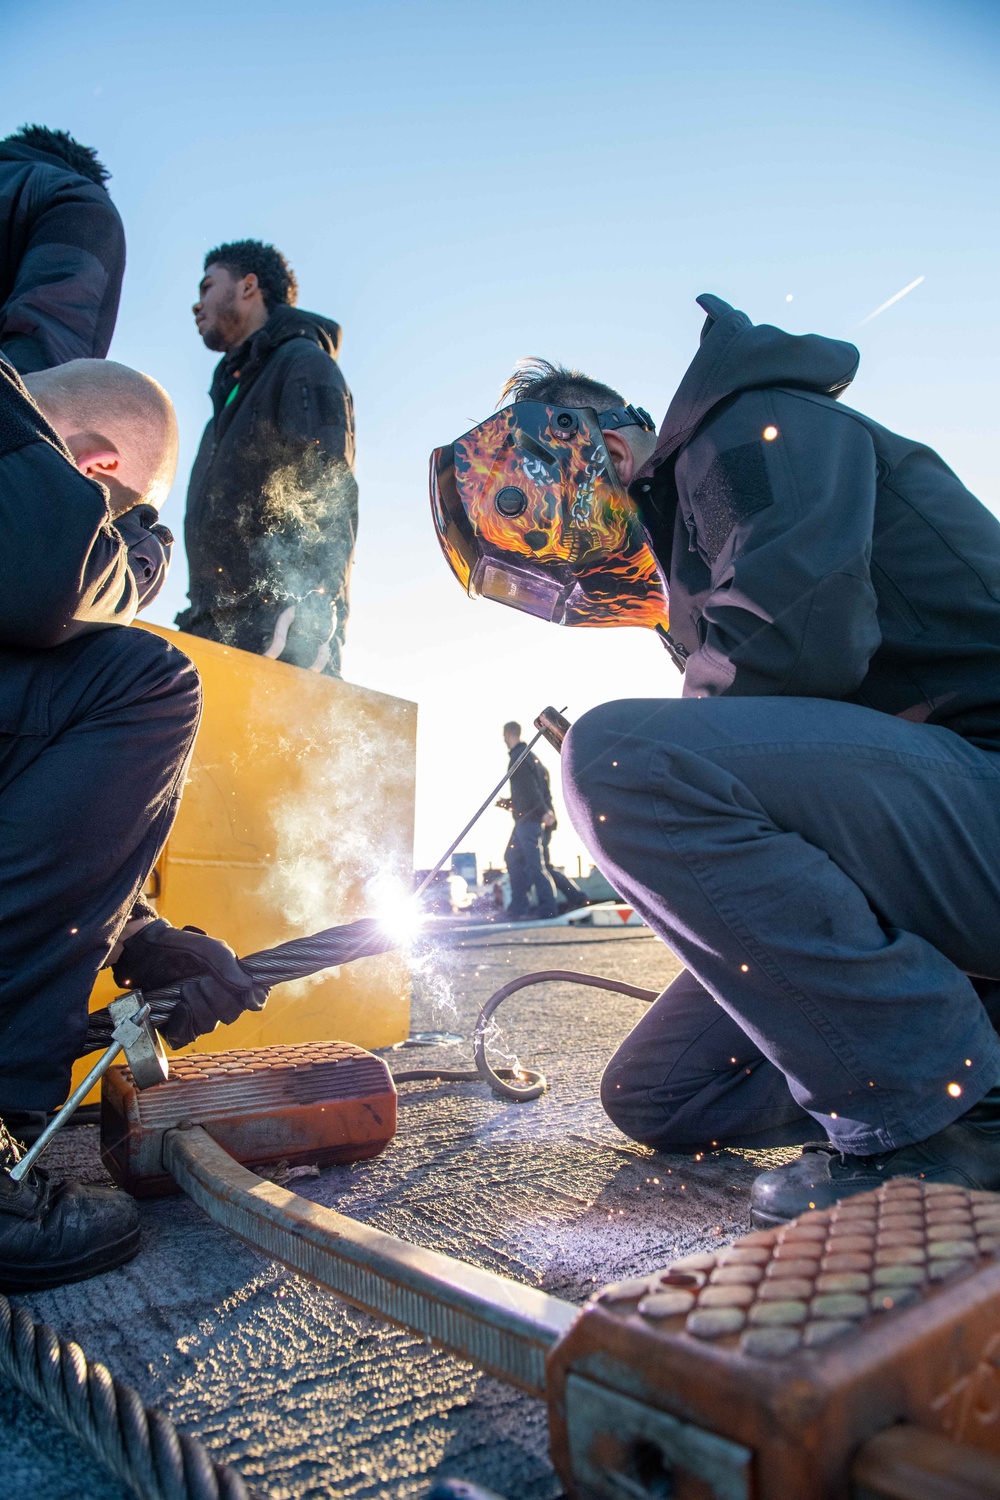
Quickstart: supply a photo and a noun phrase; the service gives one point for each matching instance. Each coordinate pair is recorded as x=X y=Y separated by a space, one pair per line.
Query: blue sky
x=460 y=184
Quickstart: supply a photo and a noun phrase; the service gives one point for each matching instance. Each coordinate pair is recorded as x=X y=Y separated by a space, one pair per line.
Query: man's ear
x=250 y=286
x=621 y=456
x=98 y=463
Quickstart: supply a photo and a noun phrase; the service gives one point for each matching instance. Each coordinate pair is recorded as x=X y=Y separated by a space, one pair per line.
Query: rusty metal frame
x=499 y=1325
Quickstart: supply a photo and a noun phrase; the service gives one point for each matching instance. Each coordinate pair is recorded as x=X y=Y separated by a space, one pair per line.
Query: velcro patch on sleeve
x=735 y=488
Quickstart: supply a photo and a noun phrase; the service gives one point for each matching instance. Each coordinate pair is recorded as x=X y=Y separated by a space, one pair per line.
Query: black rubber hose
x=137 y=1444
x=525 y=1083
x=534 y=1083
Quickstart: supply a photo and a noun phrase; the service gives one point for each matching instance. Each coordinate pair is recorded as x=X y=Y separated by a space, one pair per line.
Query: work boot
x=966 y=1152
x=55 y=1232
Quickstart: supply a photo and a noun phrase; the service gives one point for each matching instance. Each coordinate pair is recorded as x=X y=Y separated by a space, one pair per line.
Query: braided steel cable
x=140 y=1446
x=297 y=959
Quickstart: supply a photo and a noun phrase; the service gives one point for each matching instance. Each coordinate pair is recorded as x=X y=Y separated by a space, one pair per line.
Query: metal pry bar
x=144 y=1053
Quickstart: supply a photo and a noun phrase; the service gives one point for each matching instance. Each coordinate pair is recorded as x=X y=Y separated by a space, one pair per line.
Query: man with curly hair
x=62 y=251
x=272 y=503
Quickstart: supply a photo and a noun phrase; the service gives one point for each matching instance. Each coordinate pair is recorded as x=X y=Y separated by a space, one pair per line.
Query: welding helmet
x=529 y=511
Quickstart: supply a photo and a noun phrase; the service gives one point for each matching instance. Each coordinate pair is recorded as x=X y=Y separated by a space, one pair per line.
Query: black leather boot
x=55 y=1232
x=966 y=1152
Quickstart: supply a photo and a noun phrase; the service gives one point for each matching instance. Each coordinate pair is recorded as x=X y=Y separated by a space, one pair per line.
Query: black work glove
x=213 y=986
x=149 y=543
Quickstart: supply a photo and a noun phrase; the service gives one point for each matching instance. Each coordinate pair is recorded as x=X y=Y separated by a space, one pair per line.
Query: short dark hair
x=83 y=159
x=512 y=728
x=275 y=276
x=541 y=380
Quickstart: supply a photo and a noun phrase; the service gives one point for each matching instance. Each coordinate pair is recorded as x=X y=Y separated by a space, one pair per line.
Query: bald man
x=97 y=722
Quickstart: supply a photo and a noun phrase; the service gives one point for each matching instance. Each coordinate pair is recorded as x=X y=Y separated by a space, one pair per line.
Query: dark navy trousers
x=523 y=857
x=95 y=739
x=830 y=878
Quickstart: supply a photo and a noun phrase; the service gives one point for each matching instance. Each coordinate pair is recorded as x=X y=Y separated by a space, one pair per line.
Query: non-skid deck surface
x=311 y=1398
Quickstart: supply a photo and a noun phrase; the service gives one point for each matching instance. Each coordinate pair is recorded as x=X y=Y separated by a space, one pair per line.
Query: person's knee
x=626 y=1102
x=615 y=756
x=618 y=1098
x=141 y=667
x=587 y=758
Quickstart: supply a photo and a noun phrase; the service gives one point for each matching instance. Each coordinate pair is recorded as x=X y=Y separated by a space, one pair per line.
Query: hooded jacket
x=811 y=552
x=272 y=503
x=62 y=258
x=65 y=567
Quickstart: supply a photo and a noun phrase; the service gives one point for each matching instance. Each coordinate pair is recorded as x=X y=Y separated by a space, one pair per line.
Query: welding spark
x=891 y=301
x=395 y=909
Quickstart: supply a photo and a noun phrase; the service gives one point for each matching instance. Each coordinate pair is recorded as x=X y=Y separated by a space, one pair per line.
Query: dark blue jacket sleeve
x=63 y=566
x=784 y=522
x=64 y=300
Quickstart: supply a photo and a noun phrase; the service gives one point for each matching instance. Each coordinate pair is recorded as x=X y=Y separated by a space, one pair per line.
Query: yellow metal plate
x=300 y=793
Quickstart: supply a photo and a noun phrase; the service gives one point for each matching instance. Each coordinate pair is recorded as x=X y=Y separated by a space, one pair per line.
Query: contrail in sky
x=890 y=301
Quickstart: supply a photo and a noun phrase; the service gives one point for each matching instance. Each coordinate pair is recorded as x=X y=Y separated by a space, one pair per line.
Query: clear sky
x=463 y=182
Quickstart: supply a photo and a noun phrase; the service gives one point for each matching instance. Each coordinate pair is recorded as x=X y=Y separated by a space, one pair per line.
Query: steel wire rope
x=139 y=1445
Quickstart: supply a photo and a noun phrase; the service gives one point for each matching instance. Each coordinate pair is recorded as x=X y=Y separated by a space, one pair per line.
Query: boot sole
x=39 y=1278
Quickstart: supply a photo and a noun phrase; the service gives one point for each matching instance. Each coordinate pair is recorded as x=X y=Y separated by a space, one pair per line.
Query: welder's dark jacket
x=272 y=506
x=62 y=258
x=829 y=558
x=64 y=567
x=529 y=793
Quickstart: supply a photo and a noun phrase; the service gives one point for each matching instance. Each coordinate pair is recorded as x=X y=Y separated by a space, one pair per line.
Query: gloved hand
x=213 y=986
x=149 y=543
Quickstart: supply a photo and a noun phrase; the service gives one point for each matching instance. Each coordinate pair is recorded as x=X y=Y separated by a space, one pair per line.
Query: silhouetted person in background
x=272 y=506
x=62 y=251
x=530 y=804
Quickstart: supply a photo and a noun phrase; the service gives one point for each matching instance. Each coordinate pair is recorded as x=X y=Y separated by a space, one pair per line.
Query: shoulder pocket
x=735 y=487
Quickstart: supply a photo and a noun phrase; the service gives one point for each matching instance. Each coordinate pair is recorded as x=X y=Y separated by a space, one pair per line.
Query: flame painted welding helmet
x=529 y=511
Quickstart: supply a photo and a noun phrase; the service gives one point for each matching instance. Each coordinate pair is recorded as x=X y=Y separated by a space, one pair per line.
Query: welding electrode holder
x=554 y=726
x=135 y=1036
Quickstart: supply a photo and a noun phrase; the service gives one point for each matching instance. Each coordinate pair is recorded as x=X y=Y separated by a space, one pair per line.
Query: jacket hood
x=737 y=356
x=17 y=151
x=293 y=323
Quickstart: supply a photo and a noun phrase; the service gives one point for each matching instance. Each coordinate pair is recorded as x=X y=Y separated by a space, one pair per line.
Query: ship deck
x=309 y=1397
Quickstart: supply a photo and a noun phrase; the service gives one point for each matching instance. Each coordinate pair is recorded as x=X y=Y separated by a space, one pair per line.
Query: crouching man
x=97 y=722
x=813 y=827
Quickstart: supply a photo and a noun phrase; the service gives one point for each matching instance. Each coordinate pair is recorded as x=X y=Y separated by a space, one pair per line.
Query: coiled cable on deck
x=518 y=1084
x=139 y=1445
